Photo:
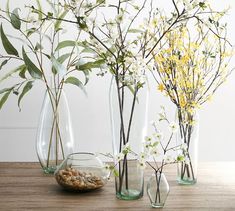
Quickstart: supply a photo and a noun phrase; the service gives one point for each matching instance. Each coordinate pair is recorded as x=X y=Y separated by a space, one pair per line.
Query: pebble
x=72 y=179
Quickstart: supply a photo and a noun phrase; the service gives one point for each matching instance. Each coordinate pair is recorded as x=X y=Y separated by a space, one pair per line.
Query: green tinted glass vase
x=188 y=135
x=128 y=119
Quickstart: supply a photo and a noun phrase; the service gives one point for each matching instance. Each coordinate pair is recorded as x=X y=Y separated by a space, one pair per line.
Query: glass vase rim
x=158 y=173
x=90 y=154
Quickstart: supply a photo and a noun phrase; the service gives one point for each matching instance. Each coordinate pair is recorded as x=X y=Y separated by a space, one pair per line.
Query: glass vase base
x=49 y=170
x=157 y=205
x=129 y=195
x=186 y=181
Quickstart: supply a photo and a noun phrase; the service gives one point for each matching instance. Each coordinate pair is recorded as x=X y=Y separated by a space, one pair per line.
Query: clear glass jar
x=55 y=139
x=188 y=135
x=157 y=190
x=129 y=125
x=82 y=172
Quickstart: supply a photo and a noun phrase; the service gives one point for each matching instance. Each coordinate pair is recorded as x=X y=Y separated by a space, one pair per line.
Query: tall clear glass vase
x=55 y=135
x=128 y=109
x=188 y=135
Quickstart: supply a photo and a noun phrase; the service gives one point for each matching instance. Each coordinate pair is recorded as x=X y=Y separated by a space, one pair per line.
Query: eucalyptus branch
x=10 y=57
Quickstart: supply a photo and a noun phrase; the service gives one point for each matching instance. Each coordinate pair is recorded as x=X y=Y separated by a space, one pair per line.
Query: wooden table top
x=23 y=186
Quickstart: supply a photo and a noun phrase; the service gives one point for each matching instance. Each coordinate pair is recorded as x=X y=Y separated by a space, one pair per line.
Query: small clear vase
x=55 y=139
x=129 y=125
x=188 y=135
x=158 y=190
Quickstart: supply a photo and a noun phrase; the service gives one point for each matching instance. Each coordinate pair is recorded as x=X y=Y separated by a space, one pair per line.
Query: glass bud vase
x=188 y=135
x=54 y=136
x=157 y=190
x=128 y=109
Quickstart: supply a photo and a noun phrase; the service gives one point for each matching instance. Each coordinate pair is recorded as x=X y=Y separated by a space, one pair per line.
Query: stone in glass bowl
x=81 y=172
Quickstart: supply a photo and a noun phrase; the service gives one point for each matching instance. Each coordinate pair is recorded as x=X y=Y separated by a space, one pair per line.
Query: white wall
x=90 y=115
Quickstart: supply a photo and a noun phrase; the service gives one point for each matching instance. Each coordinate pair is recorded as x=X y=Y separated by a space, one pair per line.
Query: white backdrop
x=90 y=115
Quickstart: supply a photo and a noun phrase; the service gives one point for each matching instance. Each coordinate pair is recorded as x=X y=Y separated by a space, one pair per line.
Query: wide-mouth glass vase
x=188 y=135
x=128 y=108
x=82 y=172
x=55 y=139
x=157 y=189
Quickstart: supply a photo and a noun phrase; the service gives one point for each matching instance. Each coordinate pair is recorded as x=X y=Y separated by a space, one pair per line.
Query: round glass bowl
x=81 y=172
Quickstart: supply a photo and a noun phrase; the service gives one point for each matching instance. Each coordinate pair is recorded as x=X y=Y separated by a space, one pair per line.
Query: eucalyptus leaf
x=62 y=58
x=38 y=47
x=87 y=75
x=17 y=38
x=15 y=19
x=9 y=48
x=22 y=72
x=87 y=50
x=6 y=90
x=4 y=99
x=58 y=67
x=31 y=67
x=40 y=9
x=100 y=1
x=26 y=89
x=66 y=43
x=76 y=82
x=12 y=72
x=90 y=65
x=61 y=17
x=85 y=71
x=3 y=63
x=8 y=8
x=30 y=31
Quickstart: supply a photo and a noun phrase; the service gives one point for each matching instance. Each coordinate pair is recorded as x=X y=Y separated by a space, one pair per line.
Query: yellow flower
x=182 y=102
x=209 y=98
x=185 y=59
x=161 y=87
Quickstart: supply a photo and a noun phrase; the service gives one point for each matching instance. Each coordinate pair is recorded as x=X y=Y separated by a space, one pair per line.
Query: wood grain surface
x=23 y=186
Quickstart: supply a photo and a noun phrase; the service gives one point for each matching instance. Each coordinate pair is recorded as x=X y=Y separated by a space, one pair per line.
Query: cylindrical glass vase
x=188 y=135
x=128 y=109
x=158 y=190
x=55 y=139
